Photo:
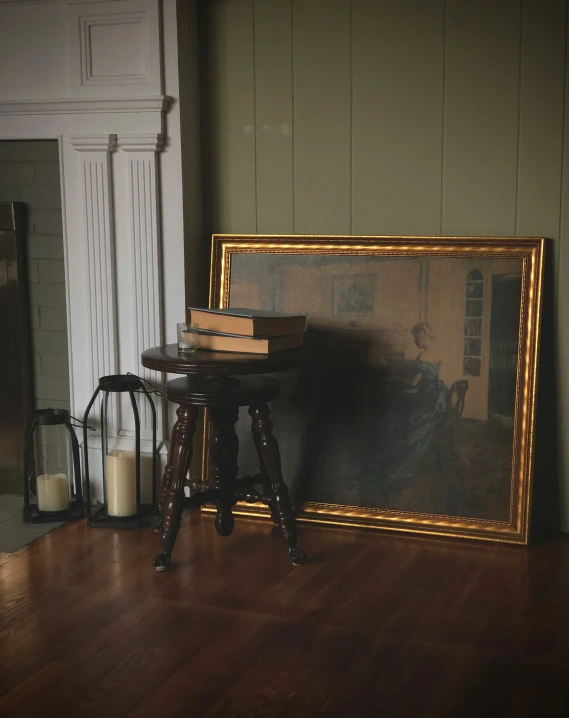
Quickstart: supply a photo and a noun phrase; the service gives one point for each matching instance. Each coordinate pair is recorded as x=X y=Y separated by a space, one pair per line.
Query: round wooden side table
x=214 y=380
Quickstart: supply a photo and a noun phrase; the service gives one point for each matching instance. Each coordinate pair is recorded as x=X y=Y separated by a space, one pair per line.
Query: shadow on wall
x=333 y=388
x=545 y=519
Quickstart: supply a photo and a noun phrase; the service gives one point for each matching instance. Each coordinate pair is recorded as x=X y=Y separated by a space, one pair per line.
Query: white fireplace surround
x=99 y=78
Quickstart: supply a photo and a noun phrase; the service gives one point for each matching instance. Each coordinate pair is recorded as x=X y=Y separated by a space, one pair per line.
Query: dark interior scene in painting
x=504 y=328
x=406 y=398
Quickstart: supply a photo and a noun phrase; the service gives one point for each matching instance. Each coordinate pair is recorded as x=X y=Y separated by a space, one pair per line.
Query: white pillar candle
x=53 y=492
x=121 y=483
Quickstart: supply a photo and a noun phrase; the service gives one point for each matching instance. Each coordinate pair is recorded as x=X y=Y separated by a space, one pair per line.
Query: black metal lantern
x=52 y=469
x=121 y=506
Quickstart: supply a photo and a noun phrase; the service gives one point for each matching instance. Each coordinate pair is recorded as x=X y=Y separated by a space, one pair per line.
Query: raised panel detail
x=115 y=48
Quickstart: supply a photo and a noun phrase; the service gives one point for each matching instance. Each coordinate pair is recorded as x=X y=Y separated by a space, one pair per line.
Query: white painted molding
x=49 y=2
x=98 y=222
x=93 y=143
x=144 y=142
x=98 y=203
x=140 y=72
x=144 y=238
x=41 y=2
x=115 y=48
x=158 y=103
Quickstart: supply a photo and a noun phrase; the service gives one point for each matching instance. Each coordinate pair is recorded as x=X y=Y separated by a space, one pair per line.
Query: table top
x=168 y=359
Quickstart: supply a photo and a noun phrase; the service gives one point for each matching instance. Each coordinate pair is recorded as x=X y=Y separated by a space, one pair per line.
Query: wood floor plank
x=66 y=558
x=205 y=678
x=375 y=624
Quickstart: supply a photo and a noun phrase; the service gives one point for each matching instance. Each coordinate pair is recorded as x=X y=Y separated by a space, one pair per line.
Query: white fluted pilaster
x=94 y=174
x=144 y=237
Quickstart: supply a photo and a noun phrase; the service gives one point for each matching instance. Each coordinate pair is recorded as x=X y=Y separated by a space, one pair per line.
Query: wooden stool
x=222 y=395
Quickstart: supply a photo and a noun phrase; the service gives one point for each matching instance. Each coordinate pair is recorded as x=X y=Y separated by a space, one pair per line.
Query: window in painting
x=473 y=323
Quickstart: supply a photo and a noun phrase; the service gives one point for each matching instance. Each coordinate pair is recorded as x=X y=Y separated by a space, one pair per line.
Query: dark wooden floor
x=375 y=625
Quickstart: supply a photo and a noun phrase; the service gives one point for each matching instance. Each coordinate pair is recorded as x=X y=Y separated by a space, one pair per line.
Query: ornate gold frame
x=531 y=251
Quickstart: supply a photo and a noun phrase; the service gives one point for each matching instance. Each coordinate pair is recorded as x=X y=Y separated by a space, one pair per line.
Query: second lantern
x=122 y=505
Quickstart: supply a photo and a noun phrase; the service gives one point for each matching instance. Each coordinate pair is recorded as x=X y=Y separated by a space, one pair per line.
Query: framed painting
x=413 y=409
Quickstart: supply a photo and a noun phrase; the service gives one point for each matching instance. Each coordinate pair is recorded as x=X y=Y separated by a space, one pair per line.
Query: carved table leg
x=266 y=481
x=224 y=448
x=271 y=459
x=156 y=520
x=179 y=460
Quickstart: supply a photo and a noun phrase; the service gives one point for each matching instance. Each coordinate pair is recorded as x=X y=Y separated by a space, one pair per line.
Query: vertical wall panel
x=538 y=210
x=406 y=117
x=481 y=116
x=322 y=115
x=541 y=117
x=273 y=103
x=398 y=55
x=563 y=318
x=233 y=115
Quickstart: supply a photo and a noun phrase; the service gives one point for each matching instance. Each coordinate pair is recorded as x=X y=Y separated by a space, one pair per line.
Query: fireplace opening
x=30 y=176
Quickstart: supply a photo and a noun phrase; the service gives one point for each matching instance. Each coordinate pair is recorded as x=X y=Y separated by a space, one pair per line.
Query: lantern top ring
x=45 y=417
x=120 y=382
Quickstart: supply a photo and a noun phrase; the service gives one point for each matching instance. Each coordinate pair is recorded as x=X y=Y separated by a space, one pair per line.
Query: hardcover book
x=214 y=341
x=248 y=322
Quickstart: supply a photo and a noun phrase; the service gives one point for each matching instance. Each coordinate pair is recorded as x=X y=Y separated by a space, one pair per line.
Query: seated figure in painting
x=411 y=413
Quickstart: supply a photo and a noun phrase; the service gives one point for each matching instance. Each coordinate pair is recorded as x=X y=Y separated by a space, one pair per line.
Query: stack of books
x=250 y=331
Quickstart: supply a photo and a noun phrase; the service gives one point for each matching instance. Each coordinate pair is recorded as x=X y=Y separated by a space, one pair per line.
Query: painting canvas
x=412 y=408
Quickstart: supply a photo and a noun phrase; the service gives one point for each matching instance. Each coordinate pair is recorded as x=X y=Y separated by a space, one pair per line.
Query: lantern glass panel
x=52 y=468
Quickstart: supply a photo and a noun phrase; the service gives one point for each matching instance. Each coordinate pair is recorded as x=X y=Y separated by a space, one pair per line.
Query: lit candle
x=121 y=483
x=53 y=492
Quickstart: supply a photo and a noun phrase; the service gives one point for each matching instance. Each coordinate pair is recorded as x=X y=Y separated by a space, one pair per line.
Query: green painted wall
x=401 y=117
